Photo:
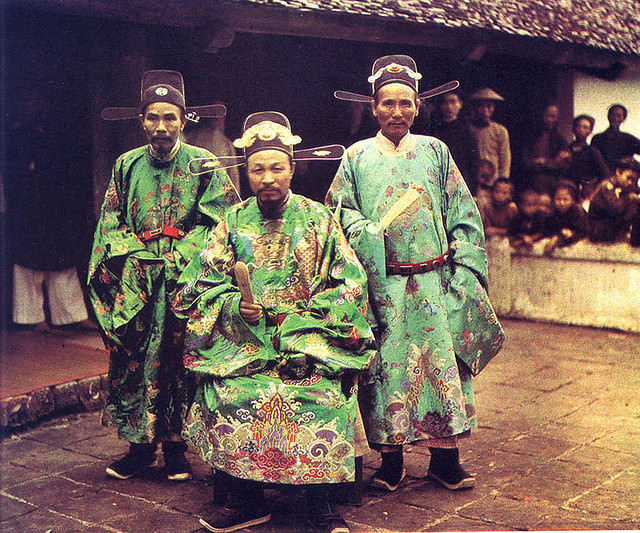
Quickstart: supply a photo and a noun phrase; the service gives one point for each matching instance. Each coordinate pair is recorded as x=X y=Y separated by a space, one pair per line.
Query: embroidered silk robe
x=132 y=283
x=276 y=401
x=418 y=389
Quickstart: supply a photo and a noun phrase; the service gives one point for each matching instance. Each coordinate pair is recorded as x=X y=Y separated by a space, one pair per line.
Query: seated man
x=276 y=400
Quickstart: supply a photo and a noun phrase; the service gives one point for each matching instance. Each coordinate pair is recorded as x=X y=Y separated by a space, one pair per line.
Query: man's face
x=582 y=129
x=616 y=117
x=550 y=117
x=162 y=124
x=395 y=110
x=270 y=173
x=450 y=106
x=483 y=110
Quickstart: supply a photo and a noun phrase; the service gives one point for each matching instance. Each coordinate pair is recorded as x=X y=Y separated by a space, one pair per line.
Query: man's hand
x=250 y=312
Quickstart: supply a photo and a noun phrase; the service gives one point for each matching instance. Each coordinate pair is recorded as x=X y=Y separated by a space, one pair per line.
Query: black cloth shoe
x=445 y=468
x=325 y=519
x=228 y=519
x=140 y=458
x=176 y=466
x=391 y=472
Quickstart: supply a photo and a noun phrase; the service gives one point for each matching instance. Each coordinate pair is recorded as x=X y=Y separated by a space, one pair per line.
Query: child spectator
x=615 y=203
x=529 y=225
x=587 y=166
x=569 y=221
x=501 y=210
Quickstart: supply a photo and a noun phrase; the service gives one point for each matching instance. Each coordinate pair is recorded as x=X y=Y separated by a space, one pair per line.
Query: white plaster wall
x=593 y=96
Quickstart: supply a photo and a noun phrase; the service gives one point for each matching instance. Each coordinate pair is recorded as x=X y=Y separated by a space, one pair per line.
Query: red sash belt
x=406 y=269
x=166 y=231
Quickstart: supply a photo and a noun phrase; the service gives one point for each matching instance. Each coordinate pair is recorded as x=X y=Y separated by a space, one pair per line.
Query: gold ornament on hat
x=394 y=68
x=162 y=91
x=266 y=131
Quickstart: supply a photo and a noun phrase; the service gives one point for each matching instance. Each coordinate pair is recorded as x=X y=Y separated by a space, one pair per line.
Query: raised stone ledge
x=87 y=394
x=585 y=284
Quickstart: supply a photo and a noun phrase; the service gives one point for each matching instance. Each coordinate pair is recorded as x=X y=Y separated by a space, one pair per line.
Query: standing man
x=413 y=223
x=154 y=217
x=455 y=133
x=491 y=139
x=613 y=143
x=277 y=350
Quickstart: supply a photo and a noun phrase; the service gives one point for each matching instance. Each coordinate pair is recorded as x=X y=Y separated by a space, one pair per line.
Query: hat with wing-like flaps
x=267 y=130
x=395 y=69
x=163 y=86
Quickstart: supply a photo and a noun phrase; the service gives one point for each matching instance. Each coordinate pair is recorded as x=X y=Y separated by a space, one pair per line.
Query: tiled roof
x=606 y=24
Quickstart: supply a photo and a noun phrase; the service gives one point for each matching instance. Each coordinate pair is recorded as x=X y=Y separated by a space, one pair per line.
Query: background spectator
x=545 y=155
x=613 y=143
x=501 y=210
x=587 y=166
x=491 y=139
x=615 y=203
x=569 y=221
x=528 y=226
x=450 y=128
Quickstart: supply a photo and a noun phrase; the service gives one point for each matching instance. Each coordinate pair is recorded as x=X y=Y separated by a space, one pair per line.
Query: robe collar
x=386 y=146
x=172 y=153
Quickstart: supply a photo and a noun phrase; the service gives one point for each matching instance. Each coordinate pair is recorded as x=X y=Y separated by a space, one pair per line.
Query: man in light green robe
x=407 y=212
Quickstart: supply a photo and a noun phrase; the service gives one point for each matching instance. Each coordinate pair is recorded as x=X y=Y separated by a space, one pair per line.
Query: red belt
x=406 y=269
x=167 y=231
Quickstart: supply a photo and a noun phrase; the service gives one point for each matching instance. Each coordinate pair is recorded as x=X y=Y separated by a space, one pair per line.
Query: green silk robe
x=132 y=283
x=419 y=389
x=276 y=401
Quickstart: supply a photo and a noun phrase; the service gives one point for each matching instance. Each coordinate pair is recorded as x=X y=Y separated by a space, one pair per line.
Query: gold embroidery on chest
x=271 y=250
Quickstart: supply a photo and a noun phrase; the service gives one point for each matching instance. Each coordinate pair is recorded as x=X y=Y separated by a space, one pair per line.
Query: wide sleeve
x=464 y=225
x=332 y=332
x=216 y=194
x=122 y=273
x=476 y=333
x=364 y=235
x=218 y=342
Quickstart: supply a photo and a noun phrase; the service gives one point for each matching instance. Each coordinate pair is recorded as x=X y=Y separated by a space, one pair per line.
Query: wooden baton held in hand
x=244 y=283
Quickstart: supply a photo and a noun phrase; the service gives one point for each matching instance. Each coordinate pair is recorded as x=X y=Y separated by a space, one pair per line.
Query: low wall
x=584 y=284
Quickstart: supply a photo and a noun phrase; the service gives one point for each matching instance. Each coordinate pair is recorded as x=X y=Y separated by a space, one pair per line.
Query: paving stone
x=506 y=511
x=11 y=508
x=459 y=523
x=45 y=521
x=626 y=483
x=573 y=519
x=543 y=447
x=101 y=506
x=156 y=519
x=54 y=461
x=106 y=447
x=607 y=503
x=431 y=495
x=19 y=450
x=391 y=515
x=599 y=458
x=550 y=490
x=11 y=475
x=620 y=441
x=57 y=432
x=47 y=490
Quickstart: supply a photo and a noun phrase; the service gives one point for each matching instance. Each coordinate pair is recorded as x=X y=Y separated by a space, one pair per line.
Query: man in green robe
x=408 y=214
x=276 y=354
x=154 y=217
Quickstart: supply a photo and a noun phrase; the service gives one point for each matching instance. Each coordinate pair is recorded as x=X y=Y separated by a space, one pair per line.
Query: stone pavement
x=558 y=448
